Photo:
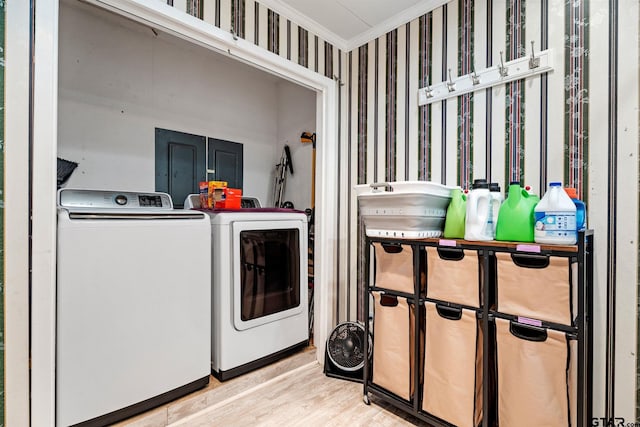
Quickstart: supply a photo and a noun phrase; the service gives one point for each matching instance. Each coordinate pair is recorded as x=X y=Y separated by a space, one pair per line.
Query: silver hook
x=533 y=61
x=450 y=84
x=474 y=77
x=429 y=91
x=504 y=71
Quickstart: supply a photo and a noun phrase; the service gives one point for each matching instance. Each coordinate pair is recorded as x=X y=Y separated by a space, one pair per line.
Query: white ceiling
x=350 y=23
x=348 y=18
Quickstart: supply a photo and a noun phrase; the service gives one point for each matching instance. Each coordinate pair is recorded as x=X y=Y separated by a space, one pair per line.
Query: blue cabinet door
x=225 y=160
x=180 y=164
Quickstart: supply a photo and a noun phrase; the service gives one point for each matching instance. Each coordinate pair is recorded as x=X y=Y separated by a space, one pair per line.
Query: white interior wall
x=118 y=81
x=15 y=208
x=296 y=114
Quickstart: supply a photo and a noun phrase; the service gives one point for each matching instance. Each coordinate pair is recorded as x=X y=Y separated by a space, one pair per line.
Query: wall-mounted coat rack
x=502 y=73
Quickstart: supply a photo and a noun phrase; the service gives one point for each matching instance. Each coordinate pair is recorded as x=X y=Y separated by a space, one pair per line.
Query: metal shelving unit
x=581 y=328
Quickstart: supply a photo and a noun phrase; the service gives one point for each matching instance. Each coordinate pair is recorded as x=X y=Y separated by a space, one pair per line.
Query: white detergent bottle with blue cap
x=478 y=222
x=555 y=217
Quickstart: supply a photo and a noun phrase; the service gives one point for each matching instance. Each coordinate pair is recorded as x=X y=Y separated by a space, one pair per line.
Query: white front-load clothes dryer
x=133 y=304
x=260 y=285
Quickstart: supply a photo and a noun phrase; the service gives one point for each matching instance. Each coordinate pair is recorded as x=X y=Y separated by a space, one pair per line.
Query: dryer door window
x=269 y=272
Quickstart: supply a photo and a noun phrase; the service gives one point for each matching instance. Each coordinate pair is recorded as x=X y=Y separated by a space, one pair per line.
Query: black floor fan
x=344 y=353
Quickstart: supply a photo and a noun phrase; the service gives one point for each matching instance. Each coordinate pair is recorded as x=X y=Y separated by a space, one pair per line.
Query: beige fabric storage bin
x=535 y=376
x=393 y=344
x=452 y=389
x=454 y=275
x=537 y=286
x=573 y=382
x=394 y=267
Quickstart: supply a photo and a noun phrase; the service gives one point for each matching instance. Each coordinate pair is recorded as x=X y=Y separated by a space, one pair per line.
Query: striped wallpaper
x=499 y=134
x=465 y=102
x=515 y=93
x=273 y=32
x=424 y=79
x=252 y=21
x=237 y=18
x=533 y=131
x=361 y=96
x=457 y=39
x=576 y=70
x=559 y=126
x=303 y=47
x=391 y=88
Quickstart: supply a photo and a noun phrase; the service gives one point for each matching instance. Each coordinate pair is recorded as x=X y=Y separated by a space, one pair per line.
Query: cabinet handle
x=451 y=313
x=527 y=332
x=530 y=261
x=450 y=254
x=388 y=300
x=392 y=248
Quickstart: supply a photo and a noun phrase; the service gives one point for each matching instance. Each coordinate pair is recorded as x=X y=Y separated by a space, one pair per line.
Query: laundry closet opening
x=119 y=81
x=118 y=76
x=143 y=110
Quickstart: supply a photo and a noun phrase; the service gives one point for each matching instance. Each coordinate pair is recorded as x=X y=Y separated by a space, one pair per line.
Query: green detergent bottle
x=456 y=212
x=516 y=219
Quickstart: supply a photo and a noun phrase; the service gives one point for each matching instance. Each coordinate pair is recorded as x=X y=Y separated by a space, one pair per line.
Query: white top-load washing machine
x=260 y=286
x=133 y=304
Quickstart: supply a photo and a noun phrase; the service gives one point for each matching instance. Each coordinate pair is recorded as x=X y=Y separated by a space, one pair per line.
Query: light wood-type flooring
x=291 y=392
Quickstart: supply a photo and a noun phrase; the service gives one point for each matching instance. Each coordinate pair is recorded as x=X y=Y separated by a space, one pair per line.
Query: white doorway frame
x=164 y=18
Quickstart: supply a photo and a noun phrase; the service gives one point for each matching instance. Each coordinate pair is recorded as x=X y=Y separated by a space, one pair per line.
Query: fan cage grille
x=345 y=346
